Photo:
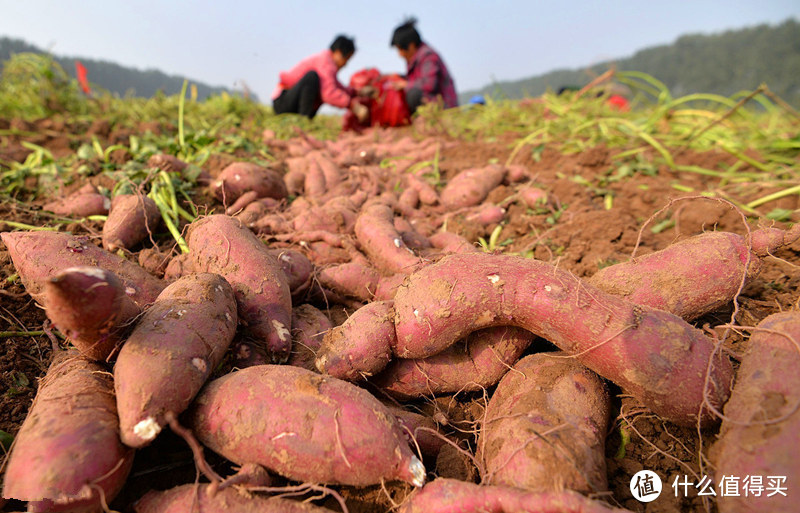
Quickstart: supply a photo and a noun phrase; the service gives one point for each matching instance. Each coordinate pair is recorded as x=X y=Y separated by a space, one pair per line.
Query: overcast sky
x=227 y=43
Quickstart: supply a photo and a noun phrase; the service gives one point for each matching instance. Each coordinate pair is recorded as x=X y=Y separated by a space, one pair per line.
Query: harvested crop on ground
x=516 y=306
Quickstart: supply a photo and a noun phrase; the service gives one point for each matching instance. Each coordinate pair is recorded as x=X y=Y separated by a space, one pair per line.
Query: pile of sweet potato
x=236 y=345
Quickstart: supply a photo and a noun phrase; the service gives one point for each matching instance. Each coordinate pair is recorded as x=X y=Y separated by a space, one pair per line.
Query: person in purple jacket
x=427 y=78
x=312 y=82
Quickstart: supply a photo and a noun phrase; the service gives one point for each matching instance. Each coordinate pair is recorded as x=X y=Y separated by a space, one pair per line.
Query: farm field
x=568 y=182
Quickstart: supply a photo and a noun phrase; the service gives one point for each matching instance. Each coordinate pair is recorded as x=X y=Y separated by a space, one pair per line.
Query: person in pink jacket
x=312 y=82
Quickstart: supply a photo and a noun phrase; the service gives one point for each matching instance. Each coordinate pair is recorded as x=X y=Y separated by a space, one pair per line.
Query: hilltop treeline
x=116 y=79
x=724 y=63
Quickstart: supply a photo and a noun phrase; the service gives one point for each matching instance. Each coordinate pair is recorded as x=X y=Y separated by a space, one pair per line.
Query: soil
x=574 y=230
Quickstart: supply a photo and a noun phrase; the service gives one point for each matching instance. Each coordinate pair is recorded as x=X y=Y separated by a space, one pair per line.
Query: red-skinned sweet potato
x=309 y=325
x=361 y=346
x=90 y=307
x=388 y=285
x=304 y=426
x=191 y=498
x=298 y=269
x=470 y=187
x=545 y=427
x=353 y=279
x=240 y=177
x=477 y=362
x=654 y=355
x=38 y=256
x=223 y=245
x=171 y=353
x=133 y=217
x=759 y=433
x=452 y=243
x=694 y=276
x=256 y=210
x=418 y=429
x=427 y=194
x=382 y=243
x=86 y=201
x=533 y=197
x=68 y=449
x=453 y=496
x=487 y=215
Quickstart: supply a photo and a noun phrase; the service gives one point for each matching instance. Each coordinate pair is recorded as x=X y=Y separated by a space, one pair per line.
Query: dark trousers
x=302 y=98
x=413 y=98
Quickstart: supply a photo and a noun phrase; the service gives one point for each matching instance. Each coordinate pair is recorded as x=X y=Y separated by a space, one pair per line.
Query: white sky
x=227 y=43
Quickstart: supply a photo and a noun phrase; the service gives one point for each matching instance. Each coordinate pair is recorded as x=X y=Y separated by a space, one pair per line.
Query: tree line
x=724 y=63
x=116 y=79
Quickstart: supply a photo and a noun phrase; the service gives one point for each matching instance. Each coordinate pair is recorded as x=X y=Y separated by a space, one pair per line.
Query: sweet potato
x=90 y=307
x=270 y=224
x=196 y=498
x=309 y=325
x=38 y=256
x=453 y=496
x=295 y=176
x=427 y=194
x=223 y=245
x=517 y=173
x=382 y=243
x=255 y=210
x=298 y=270
x=171 y=353
x=331 y=170
x=352 y=279
x=86 y=201
x=545 y=427
x=179 y=265
x=472 y=186
x=304 y=426
x=132 y=218
x=417 y=428
x=240 y=177
x=654 y=355
x=361 y=346
x=242 y=202
x=452 y=243
x=478 y=361
x=388 y=285
x=691 y=277
x=314 y=185
x=68 y=450
x=408 y=201
x=487 y=215
x=533 y=197
x=411 y=237
x=759 y=433
x=154 y=261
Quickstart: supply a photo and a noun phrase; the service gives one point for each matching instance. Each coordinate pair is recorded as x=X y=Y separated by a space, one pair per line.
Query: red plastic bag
x=83 y=79
x=391 y=108
x=388 y=109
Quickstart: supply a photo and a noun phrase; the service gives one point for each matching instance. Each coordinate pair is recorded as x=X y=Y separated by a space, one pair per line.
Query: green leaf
x=6 y=439
x=663 y=225
x=780 y=214
x=625 y=439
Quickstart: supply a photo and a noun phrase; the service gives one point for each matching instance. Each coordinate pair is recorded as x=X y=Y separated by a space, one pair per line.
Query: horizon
x=478 y=50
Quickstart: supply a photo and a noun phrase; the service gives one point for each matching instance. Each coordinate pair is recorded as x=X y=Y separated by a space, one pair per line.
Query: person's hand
x=368 y=91
x=361 y=112
x=398 y=84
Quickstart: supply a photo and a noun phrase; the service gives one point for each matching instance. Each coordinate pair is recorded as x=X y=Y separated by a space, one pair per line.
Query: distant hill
x=724 y=63
x=116 y=79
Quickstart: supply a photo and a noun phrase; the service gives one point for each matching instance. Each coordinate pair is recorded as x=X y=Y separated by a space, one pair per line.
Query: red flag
x=80 y=70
